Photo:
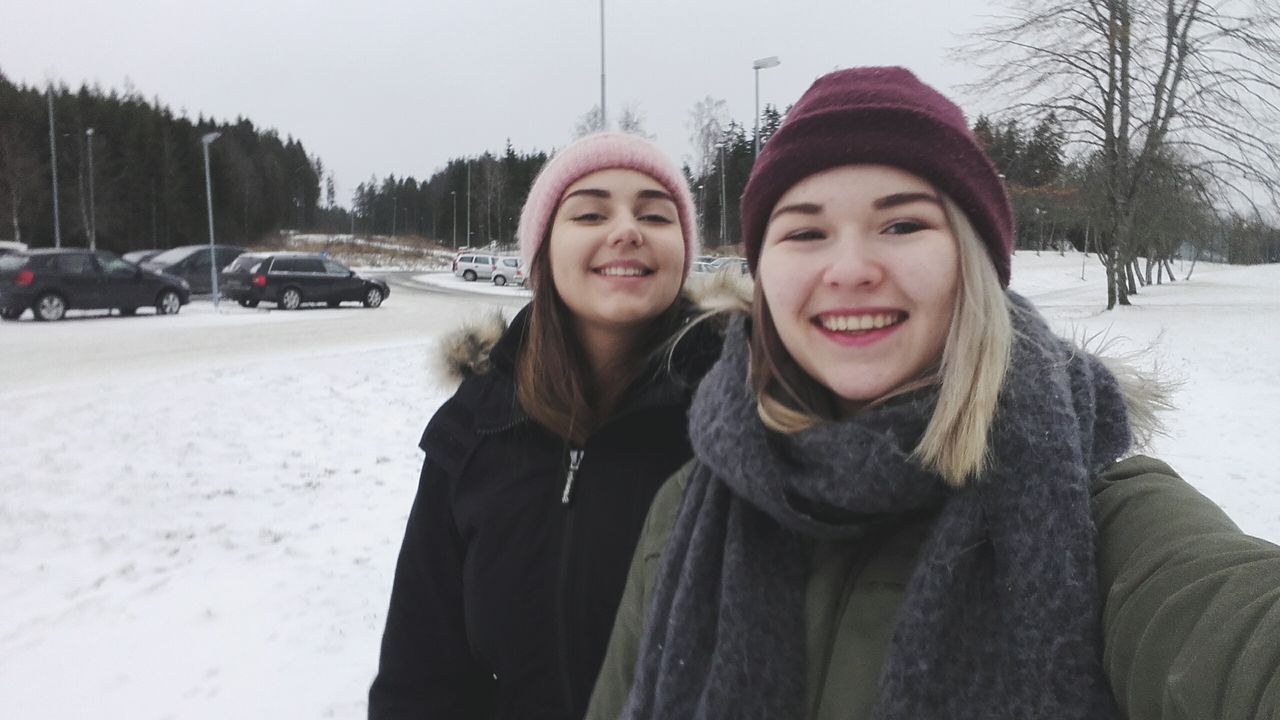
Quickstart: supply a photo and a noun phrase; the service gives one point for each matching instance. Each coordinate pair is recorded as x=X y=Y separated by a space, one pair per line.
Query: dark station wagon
x=51 y=282
x=291 y=279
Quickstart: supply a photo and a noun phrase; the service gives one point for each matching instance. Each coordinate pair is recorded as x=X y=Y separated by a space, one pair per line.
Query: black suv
x=290 y=279
x=50 y=282
x=191 y=263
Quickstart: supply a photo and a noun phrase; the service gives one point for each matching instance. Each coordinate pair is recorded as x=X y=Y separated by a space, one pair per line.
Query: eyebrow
x=800 y=208
x=897 y=199
x=604 y=194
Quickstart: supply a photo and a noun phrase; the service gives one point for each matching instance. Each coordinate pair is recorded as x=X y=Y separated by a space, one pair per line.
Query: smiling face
x=616 y=250
x=860 y=269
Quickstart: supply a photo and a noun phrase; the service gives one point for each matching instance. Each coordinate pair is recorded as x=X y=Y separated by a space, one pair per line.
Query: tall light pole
x=53 y=164
x=208 y=191
x=93 y=206
x=468 y=238
x=454 y=194
x=758 y=65
x=604 y=113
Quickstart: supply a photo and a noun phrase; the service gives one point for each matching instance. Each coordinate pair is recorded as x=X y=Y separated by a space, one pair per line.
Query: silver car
x=475 y=266
x=508 y=271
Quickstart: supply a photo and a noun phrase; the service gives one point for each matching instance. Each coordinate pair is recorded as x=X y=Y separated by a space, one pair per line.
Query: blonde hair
x=969 y=374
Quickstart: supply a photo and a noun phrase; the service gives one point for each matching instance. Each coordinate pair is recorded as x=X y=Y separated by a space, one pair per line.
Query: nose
x=854 y=262
x=626 y=231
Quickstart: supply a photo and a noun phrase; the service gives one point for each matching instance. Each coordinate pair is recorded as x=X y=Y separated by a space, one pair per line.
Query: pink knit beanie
x=880 y=116
x=601 y=151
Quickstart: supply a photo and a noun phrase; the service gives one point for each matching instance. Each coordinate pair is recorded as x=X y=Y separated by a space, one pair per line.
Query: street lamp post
x=758 y=65
x=208 y=191
x=93 y=206
x=454 y=194
x=604 y=114
x=468 y=238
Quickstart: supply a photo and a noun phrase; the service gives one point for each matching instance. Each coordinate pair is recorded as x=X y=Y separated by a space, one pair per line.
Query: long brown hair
x=554 y=381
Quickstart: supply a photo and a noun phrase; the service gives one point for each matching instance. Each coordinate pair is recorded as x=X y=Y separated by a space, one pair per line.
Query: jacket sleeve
x=426 y=668
x=1191 y=615
x=613 y=684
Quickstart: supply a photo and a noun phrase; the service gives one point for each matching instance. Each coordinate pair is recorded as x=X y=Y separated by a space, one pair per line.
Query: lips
x=859 y=328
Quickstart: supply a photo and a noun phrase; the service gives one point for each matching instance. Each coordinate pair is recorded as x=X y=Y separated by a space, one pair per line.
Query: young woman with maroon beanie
x=540 y=469
x=908 y=499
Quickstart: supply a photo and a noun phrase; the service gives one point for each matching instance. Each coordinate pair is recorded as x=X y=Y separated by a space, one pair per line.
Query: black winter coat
x=517 y=547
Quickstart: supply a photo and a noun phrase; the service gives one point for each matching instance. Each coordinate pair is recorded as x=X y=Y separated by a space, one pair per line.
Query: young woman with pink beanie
x=540 y=469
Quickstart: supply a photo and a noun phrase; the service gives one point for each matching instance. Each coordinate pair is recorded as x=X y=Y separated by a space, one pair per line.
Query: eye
x=655 y=218
x=905 y=227
x=804 y=234
x=588 y=217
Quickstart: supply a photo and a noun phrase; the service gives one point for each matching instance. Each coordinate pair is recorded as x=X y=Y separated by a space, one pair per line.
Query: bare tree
x=706 y=123
x=1129 y=79
x=590 y=122
x=632 y=121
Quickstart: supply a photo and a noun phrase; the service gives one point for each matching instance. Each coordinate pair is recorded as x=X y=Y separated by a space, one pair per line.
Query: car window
x=226 y=255
x=245 y=263
x=168 y=257
x=200 y=261
x=286 y=265
x=311 y=265
x=466 y=259
x=335 y=268
x=511 y=262
x=115 y=267
x=75 y=264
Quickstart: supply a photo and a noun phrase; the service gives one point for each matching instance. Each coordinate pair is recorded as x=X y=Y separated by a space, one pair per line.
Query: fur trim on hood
x=464 y=351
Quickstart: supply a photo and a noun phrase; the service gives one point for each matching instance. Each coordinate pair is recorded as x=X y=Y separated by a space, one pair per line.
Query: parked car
x=290 y=279
x=475 y=266
x=508 y=270
x=138 y=257
x=191 y=263
x=51 y=282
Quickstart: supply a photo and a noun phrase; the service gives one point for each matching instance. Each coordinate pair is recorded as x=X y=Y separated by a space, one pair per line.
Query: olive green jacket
x=1191 y=614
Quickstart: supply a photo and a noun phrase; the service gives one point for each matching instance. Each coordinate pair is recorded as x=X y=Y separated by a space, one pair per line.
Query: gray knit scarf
x=1001 y=617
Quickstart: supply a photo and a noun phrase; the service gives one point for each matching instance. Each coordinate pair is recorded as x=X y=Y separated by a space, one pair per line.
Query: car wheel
x=333 y=303
x=290 y=299
x=168 y=303
x=469 y=275
x=373 y=298
x=128 y=312
x=499 y=280
x=50 y=306
x=11 y=313
x=249 y=303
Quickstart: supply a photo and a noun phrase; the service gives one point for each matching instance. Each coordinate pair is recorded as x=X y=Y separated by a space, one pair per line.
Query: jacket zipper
x=562 y=589
x=575 y=460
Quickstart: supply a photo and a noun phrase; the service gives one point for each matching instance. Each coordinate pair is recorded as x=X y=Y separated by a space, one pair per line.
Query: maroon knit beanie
x=880 y=116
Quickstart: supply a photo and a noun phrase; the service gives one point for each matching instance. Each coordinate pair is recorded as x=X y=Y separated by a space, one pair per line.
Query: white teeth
x=622 y=271
x=850 y=323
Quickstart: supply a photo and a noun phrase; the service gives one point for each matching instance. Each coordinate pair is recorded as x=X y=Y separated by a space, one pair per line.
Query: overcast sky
x=398 y=86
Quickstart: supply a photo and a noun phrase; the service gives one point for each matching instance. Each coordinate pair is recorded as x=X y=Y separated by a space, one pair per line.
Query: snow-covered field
x=206 y=527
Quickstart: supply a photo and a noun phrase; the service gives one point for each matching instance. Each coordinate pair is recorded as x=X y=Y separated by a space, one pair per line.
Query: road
x=34 y=355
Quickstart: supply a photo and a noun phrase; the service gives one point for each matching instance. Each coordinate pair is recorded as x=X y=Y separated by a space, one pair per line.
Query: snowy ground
x=199 y=515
